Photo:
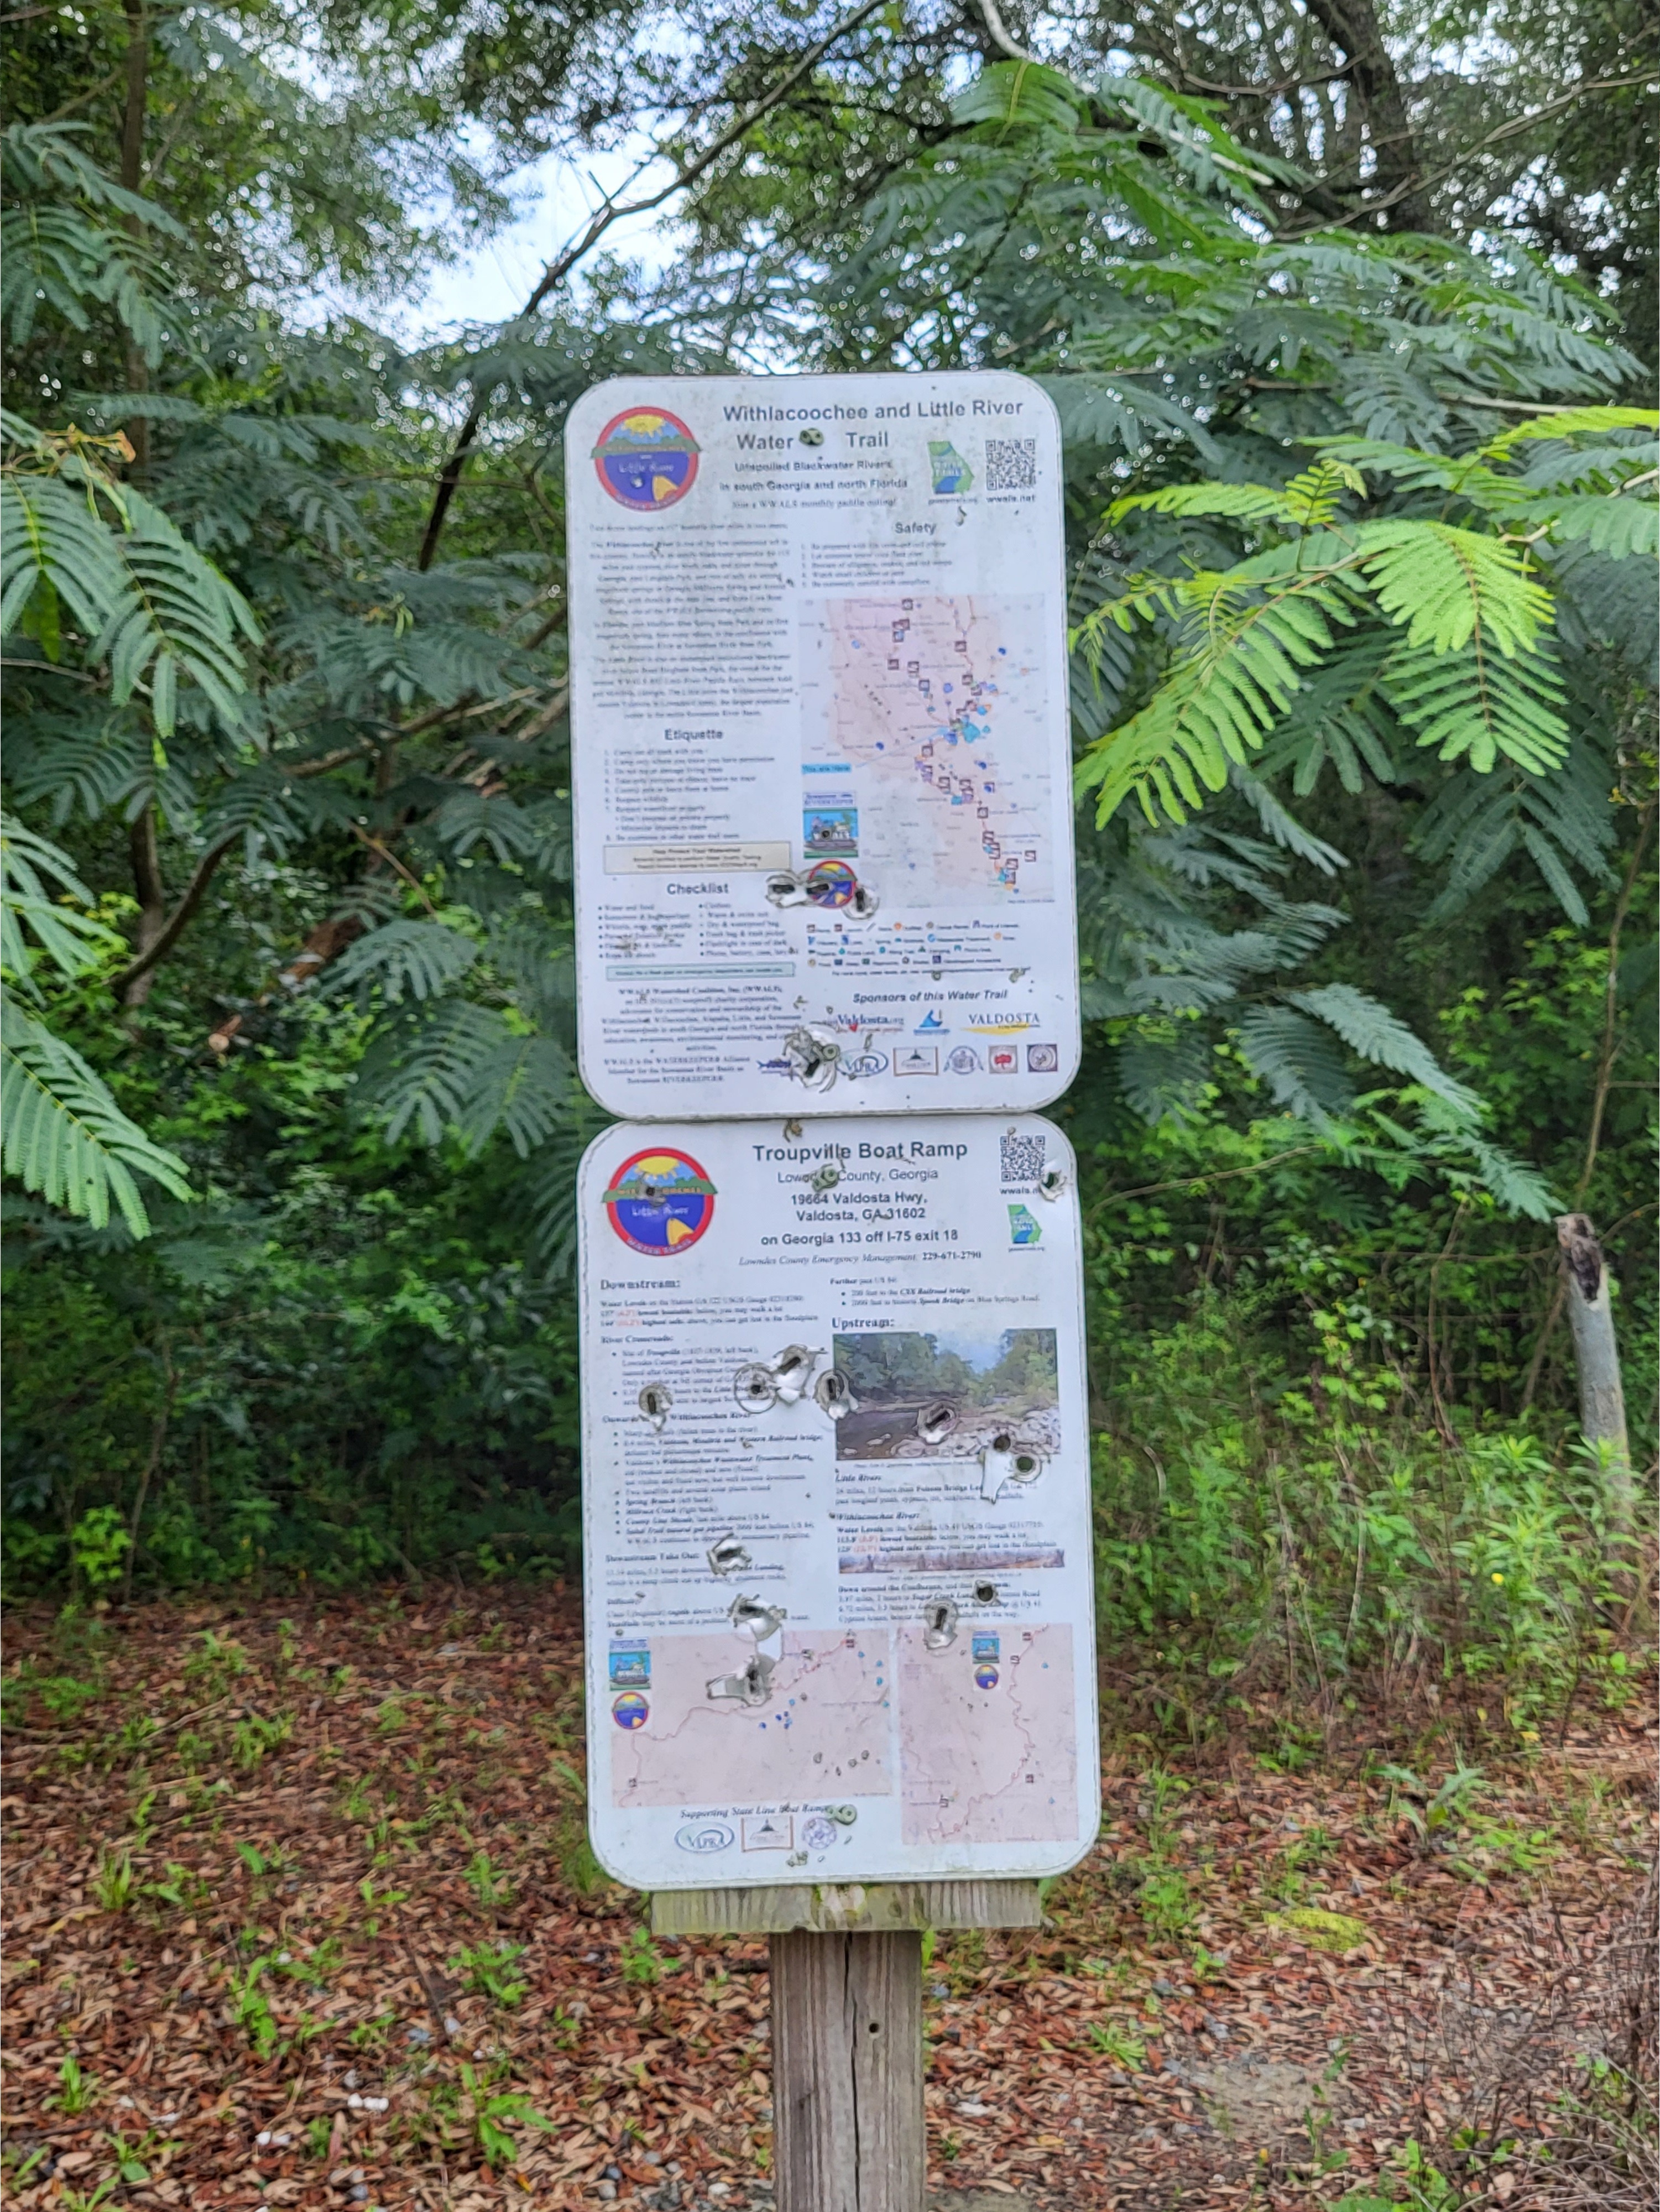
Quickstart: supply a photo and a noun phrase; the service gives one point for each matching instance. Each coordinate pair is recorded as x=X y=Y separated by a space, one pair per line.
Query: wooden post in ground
x=1601 y=1398
x=847 y=2075
x=848 y=2134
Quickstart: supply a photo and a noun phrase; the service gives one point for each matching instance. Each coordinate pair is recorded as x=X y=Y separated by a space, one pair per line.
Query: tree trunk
x=152 y=895
x=1601 y=1398
x=1351 y=26
x=132 y=177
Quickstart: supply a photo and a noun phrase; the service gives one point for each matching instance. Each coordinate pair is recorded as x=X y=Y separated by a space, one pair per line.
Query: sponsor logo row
x=927 y=1059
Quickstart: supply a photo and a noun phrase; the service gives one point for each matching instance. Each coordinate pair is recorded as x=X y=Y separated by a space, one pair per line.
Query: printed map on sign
x=925 y=716
x=987 y=1737
x=822 y=1730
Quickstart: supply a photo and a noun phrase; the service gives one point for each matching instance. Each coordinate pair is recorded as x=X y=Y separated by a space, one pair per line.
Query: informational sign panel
x=822 y=767
x=837 y=1503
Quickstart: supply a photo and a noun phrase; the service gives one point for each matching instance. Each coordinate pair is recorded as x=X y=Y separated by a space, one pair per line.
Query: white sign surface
x=835 y=1503
x=822 y=767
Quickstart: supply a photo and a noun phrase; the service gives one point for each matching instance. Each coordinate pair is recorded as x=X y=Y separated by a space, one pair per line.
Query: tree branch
x=1513 y=129
x=609 y=212
x=173 y=928
x=1000 y=35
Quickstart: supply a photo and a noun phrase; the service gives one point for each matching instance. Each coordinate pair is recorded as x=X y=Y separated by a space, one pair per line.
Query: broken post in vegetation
x=846 y=1959
x=1601 y=1398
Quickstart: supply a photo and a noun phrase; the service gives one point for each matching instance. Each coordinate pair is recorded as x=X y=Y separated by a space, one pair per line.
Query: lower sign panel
x=835 y=1498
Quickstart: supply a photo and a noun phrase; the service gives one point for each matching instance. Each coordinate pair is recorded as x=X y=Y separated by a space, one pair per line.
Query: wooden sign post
x=849 y=2129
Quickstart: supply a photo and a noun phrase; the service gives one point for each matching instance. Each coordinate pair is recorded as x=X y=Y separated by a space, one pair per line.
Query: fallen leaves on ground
x=301 y=1912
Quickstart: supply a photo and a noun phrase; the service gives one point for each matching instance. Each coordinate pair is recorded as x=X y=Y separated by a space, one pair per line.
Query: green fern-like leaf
x=1449 y=587
x=421 y=1070
x=1298 y=1060
x=1478 y=706
x=521 y=1086
x=1622 y=529
x=66 y=1140
x=1219 y=700
x=421 y=958
x=72 y=942
x=151 y=605
x=1375 y=1035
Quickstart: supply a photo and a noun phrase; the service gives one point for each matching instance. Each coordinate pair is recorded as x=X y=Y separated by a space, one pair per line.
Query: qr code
x=1023 y=1157
x=1011 y=464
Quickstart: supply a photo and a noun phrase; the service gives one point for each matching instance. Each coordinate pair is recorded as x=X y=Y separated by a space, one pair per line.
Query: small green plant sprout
x=1207 y=1966
x=372 y=2034
x=288 y=1642
x=492 y=1887
x=88 y=2200
x=378 y=1901
x=1166 y=1903
x=114 y=1883
x=356 y=1807
x=250 y=2007
x=217 y=1664
x=180 y=1887
x=1434 y=1815
x=65 y=1697
x=1118 y=2043
x=129 y=2167
x=137 y=1732
x=493 y=2111
x=640 y=1961
x=316 y=2137
x=252 y=1737
x=76 y=2089
x=486 y=1969
x=97 y=1543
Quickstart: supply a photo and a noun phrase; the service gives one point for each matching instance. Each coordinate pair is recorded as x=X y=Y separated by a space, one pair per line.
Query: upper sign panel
x=824 y=824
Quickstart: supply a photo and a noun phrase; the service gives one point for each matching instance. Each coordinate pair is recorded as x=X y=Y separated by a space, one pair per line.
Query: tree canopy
x=1348 y=316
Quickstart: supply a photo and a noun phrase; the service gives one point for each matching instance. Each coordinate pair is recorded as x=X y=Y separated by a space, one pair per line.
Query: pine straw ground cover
x=300 y=1914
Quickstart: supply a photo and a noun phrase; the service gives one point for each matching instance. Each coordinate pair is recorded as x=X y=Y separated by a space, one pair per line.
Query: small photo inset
x=942 y=1393
x=830 y=832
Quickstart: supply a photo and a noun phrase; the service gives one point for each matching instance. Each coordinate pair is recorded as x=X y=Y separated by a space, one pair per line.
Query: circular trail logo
x=659 y=1202
x=631 y=1710
x=647 y=459
x=704 y=1836
x=832 y=882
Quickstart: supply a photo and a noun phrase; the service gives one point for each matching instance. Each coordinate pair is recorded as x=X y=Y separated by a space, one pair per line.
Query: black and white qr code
x=1011 y=464
x=1023 y=1157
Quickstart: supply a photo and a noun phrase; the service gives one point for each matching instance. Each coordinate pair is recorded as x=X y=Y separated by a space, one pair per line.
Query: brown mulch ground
x=299 y=1913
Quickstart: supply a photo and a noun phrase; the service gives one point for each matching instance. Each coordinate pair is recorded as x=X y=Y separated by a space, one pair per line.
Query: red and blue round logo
x=659 y=1202
x=646 y=458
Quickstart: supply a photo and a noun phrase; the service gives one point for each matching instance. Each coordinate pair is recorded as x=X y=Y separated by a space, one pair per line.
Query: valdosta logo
x=659 y=1202
x=647 y=459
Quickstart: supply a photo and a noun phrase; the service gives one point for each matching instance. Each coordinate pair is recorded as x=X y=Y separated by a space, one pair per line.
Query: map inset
x=987 y=1738
x=824 y=1729
x=936 y=709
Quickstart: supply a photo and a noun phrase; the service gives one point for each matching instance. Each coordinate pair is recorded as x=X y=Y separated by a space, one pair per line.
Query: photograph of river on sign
x=942 y=1393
